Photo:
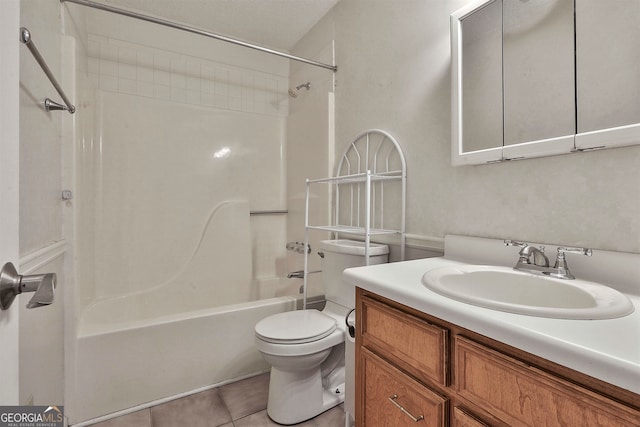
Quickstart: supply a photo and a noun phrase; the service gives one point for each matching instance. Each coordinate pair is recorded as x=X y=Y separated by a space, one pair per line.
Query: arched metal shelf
x=371 y=162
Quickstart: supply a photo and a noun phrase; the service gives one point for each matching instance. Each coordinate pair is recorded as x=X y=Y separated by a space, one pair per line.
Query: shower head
x=294 y=93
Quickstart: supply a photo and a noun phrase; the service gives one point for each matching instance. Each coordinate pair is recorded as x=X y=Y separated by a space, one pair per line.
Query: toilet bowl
x=301 y=385
x=306 y=348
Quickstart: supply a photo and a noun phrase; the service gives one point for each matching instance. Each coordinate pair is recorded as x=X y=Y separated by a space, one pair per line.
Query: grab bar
x=270 y=212
x=49 y=105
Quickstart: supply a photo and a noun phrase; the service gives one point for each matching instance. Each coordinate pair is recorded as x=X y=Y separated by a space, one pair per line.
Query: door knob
x=13 y=284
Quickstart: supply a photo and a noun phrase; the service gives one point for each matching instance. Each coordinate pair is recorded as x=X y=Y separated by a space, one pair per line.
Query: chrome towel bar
x=49 y=105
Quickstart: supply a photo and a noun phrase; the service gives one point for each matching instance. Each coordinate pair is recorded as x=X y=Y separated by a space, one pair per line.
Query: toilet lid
x=295 y=327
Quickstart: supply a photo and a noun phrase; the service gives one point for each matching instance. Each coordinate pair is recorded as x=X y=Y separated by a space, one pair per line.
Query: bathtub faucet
x=298 y=247
x=300 y=274
x=296 y=275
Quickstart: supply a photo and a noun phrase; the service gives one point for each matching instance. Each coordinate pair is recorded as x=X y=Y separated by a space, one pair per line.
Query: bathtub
x=192 y=331
x=144 y=361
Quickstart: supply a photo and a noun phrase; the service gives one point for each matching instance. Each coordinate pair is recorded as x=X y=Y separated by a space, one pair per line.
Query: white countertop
x=605 y=349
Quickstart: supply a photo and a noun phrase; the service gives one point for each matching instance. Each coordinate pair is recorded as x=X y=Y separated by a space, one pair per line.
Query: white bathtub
x=191 y=331
x=144 y=361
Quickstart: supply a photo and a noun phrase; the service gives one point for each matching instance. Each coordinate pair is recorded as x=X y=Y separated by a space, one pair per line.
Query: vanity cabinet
x=411 y=365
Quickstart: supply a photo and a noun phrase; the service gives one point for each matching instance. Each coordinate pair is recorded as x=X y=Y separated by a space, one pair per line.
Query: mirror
x=608 y=72
x=538 y=67
x=482 y=95
x=540 y=85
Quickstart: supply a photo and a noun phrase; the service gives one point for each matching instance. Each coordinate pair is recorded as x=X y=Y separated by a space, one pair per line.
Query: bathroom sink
x=506 y=289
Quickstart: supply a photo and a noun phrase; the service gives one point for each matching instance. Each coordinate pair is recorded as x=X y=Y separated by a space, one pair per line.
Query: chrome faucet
x=296 y=275
x=540 y=264
x=528 y=251
x=299 y=274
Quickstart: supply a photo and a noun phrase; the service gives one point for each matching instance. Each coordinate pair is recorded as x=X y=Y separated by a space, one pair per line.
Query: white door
x=9 y=149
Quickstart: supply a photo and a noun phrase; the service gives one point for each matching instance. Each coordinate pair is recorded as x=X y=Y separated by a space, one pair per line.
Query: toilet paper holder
x=13 y=284
x=351 y=325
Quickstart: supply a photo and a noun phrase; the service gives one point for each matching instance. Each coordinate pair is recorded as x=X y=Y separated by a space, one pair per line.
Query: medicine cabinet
x=533 y=79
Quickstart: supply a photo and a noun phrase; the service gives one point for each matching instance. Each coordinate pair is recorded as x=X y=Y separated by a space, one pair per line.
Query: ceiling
x=277 y=24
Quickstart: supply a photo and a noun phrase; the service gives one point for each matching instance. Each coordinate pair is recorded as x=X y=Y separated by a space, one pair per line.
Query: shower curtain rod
x=198 y=31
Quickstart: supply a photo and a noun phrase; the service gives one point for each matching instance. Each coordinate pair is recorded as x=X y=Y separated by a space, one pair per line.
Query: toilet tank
x=341 y=254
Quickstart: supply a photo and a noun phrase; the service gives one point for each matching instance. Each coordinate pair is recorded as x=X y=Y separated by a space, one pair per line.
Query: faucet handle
x=582 y=251
x=561 y=263
x=515 y=243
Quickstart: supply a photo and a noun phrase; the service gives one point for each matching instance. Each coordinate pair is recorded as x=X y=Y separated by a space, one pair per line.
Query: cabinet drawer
x=522 y=395
x=391 y=398
x=410 y=342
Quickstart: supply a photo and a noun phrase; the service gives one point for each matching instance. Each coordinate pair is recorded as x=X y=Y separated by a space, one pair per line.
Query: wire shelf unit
x=372 y=162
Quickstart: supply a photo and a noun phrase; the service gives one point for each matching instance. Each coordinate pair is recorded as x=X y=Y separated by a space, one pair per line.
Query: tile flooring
x=238 y=404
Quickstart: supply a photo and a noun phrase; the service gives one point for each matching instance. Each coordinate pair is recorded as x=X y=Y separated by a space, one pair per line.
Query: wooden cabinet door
x=462 y=418
x=522 y=395
x=390 y=398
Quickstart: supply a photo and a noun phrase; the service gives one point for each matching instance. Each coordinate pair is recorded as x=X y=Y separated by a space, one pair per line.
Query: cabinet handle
x=393 y=398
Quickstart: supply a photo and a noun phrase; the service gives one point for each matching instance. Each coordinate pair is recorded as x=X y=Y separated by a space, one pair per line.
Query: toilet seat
x=295 y=327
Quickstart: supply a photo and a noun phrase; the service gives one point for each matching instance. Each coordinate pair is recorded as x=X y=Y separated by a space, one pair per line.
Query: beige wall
x=393 y=62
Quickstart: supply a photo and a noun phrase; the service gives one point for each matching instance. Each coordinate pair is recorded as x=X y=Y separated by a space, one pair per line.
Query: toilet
x=306 y=348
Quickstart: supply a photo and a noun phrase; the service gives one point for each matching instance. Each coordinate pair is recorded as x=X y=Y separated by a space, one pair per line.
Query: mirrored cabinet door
x=608 y=72
x=482 y=95
x=513 y=86
x=544 y=77
x=538 y=64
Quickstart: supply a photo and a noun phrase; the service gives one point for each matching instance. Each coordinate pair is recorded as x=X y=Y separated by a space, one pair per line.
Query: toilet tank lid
x=353 y=247
x=293 y=327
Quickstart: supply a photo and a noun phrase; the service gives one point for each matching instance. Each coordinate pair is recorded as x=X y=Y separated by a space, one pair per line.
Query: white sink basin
x=506 y=289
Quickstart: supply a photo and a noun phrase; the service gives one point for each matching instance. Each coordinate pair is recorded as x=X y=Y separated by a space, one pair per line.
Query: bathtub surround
x=310 y=135
x=122 y=66
x=183 y=139
x=202 y=276
x=200 y=214
x=148 y=100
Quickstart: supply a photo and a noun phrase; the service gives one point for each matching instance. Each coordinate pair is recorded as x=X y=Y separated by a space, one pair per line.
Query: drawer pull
x=393 y=399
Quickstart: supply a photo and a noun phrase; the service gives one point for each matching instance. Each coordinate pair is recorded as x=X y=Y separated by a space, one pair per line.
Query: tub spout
x=300 y=274
x=296 y=275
